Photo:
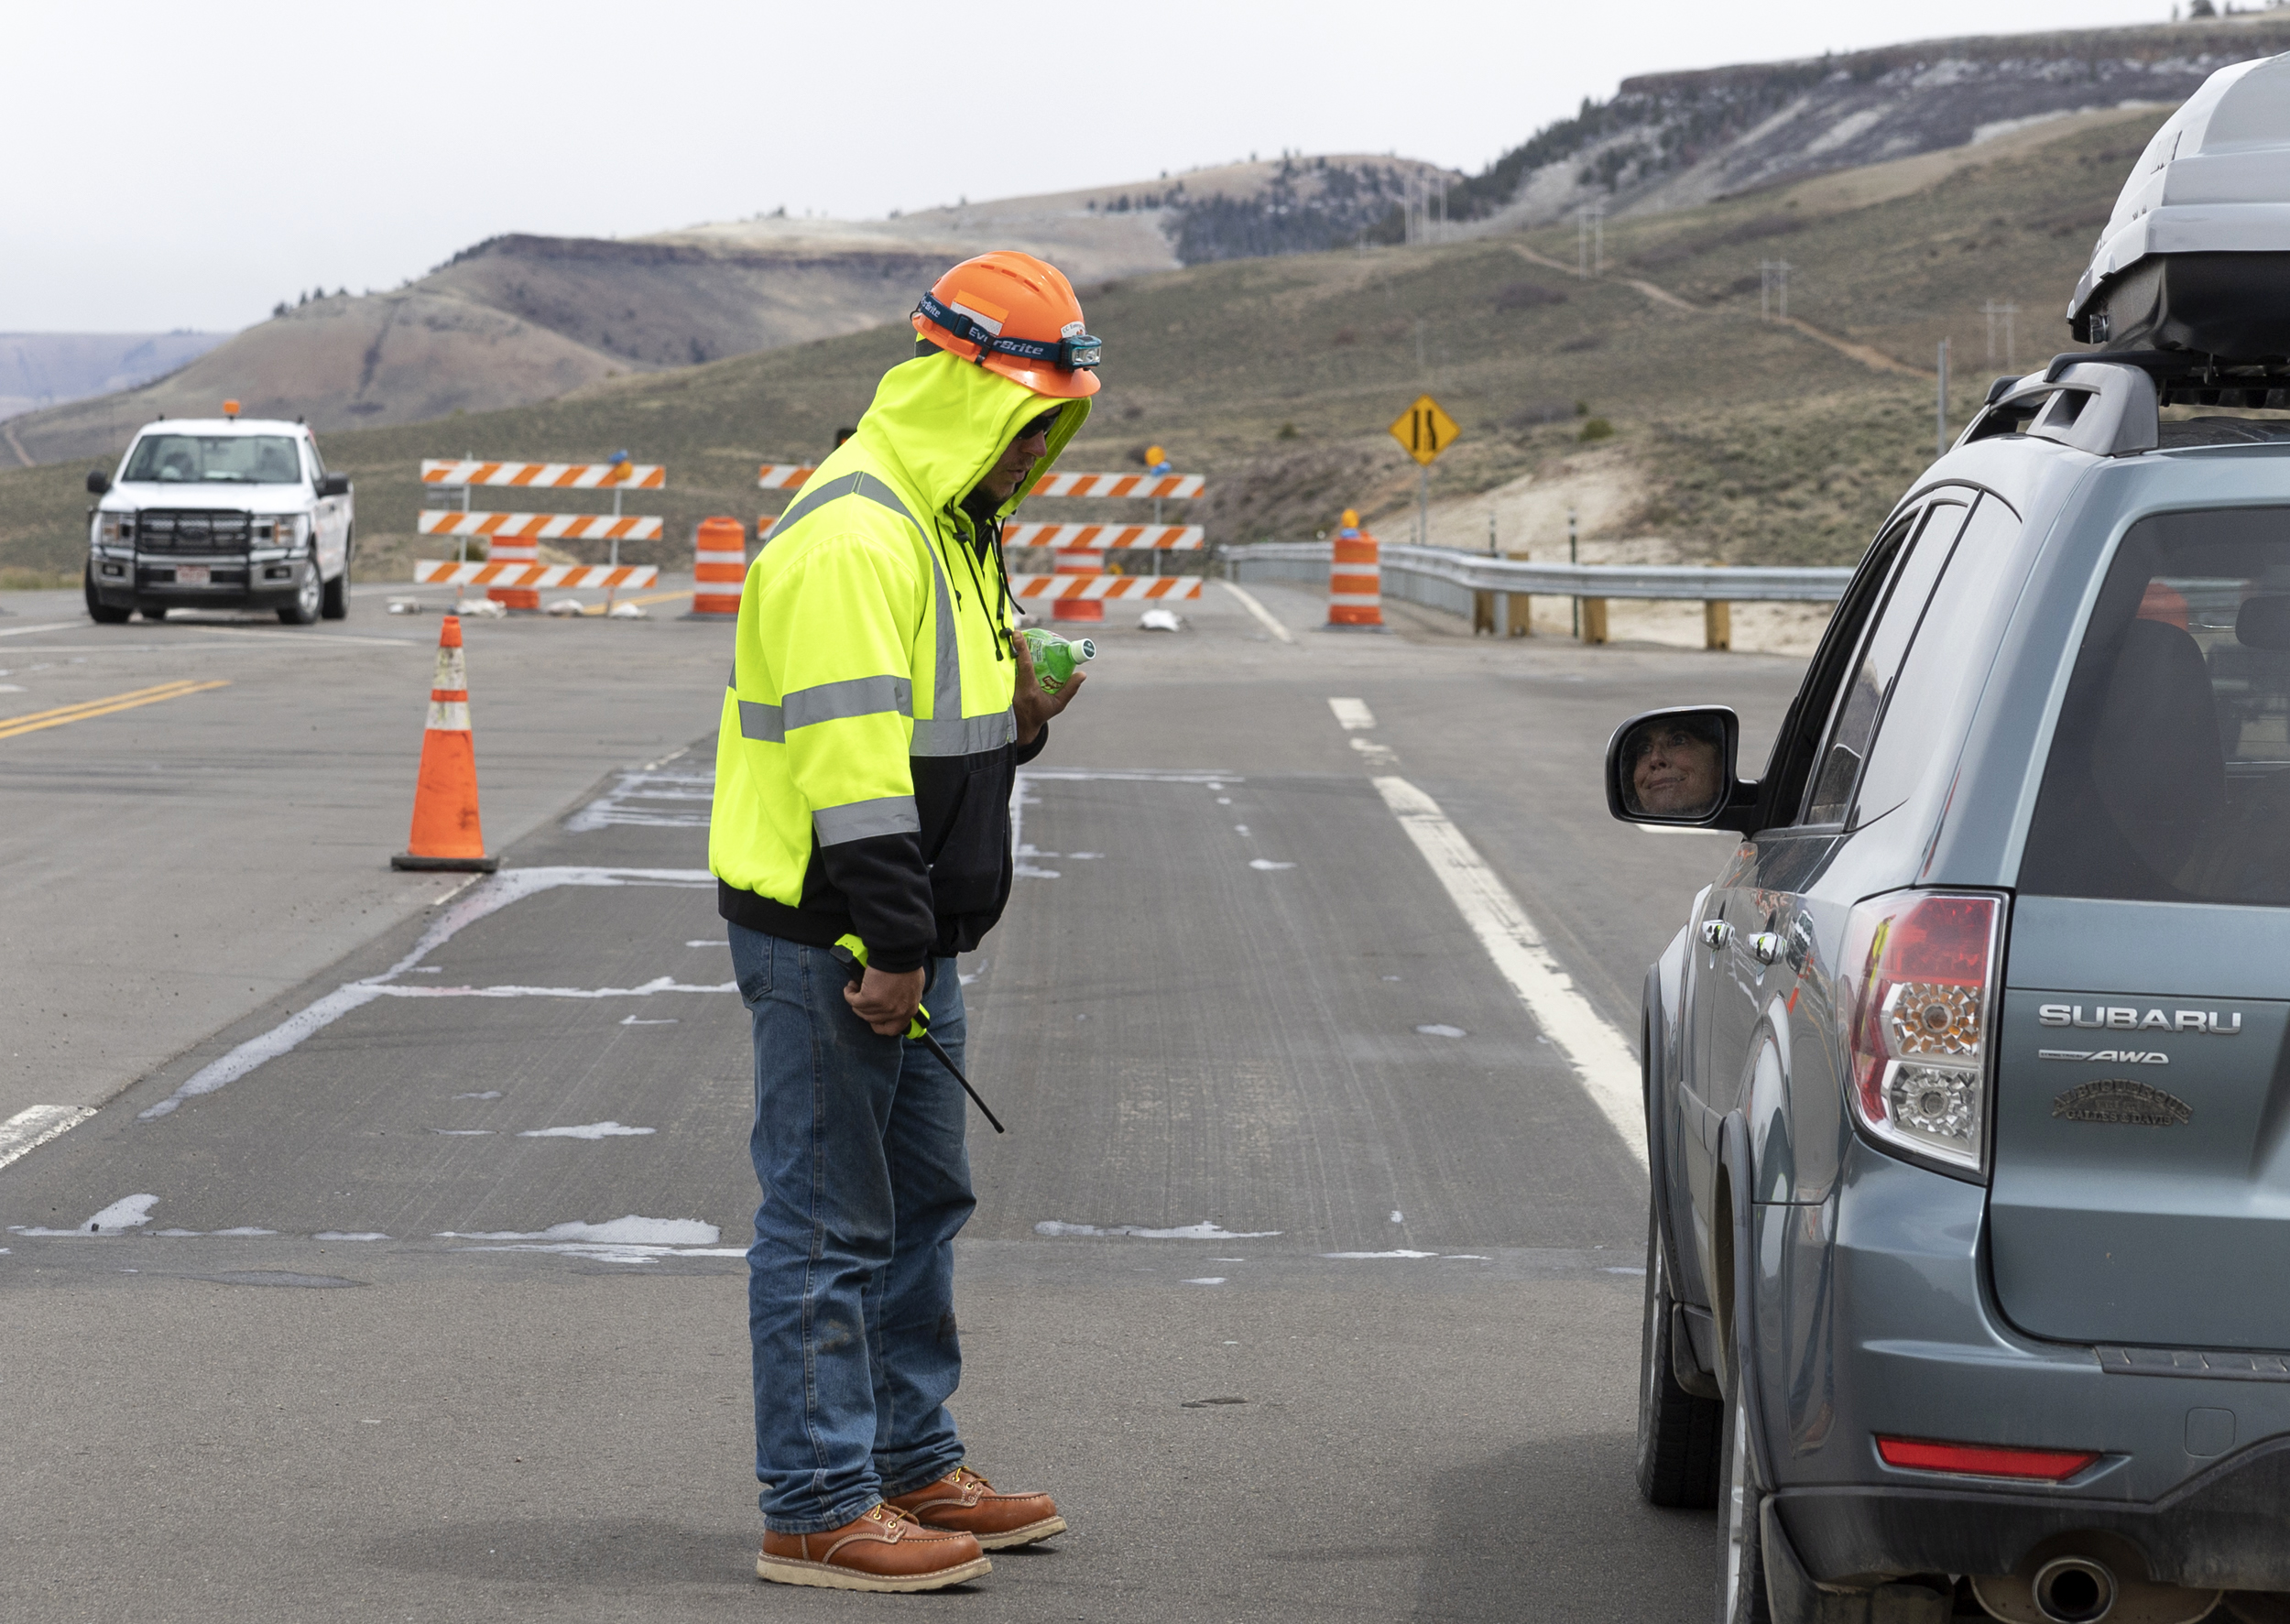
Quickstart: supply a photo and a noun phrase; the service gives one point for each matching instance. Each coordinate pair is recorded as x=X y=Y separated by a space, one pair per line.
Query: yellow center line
x=12 y=725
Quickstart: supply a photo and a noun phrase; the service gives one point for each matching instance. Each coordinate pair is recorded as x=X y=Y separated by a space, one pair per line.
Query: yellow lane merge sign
x=1424 y=430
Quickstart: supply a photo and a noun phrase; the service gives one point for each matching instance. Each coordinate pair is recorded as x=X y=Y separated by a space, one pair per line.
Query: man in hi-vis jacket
x=880 y=706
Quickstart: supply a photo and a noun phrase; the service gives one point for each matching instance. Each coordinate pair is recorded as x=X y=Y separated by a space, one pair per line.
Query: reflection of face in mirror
x=1676 y=767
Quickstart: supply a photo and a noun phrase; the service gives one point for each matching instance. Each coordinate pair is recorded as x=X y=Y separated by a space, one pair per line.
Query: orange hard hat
x=1013 y=314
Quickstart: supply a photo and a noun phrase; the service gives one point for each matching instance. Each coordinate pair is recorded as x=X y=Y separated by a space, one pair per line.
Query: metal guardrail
x=1471 y=571
x=1481 y=588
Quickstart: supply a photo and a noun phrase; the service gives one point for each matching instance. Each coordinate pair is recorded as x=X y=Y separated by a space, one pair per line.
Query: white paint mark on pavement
x=1602 y=1060
x=1207 y=1279
x=1398 y=1217
x=493 y=893
x=1440 y=1029
x=1376 y=755
x=26 y=631
x=1202 y=1231
x=645 y=799
x=488 y=1093
x=462 y=1133
x=705 y=941
x=1264 y=616
x=350 y=1235
x=36 y=1124
x=240 y=1233
x=1266 y=865
x=639 y=1020
x=1401 y=1253
x=623 y=1240
x=628 y=1231
x=129 y=1212
x=1353 y=713
x=586 y=1131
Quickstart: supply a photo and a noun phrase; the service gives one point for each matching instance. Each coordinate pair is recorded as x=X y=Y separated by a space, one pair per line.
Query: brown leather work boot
x=967 y=1502
x=885 y=1550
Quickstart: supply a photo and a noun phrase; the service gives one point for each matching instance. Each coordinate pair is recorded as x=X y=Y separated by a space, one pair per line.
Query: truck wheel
x=308 y=598
x=100 y=612
x=334 y=601
x=154 y=611
x=1678 y=1432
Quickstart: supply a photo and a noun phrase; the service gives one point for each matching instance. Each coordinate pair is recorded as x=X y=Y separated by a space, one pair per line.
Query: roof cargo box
x=2196 y=254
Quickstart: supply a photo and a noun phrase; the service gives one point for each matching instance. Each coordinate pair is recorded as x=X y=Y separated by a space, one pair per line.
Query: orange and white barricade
x=496 y=572
x=513 y=539
x=719 y=566
x=1355 y=578
x=780 y=476
x=1094 y=590
x=1080 y=549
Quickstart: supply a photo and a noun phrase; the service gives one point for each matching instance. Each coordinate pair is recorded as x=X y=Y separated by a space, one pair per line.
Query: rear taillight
x=1984 y=1460
x=1920 y=966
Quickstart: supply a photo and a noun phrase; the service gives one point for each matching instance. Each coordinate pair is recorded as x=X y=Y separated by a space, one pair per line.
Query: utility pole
x=1772 y=280
x=1423 y=506
x=1590 y=240
x=1573 y=556
x=1940 y=419
x=1491 y=532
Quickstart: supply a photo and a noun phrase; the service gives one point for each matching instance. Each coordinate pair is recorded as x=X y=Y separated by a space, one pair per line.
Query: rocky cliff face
x=1673 y=140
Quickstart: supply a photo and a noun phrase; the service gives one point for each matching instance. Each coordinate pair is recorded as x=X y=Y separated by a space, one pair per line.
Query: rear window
x=2169 y=774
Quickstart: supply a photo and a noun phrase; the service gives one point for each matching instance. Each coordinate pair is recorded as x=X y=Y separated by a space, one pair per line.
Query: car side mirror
x=333 y=484
x=98 y=481
x=1676 y=767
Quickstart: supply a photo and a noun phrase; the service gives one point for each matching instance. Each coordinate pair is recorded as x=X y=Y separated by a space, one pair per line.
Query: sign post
x=1424 y=431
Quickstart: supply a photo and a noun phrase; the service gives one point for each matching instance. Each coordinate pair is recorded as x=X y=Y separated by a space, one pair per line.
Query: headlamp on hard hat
x=1071 y=351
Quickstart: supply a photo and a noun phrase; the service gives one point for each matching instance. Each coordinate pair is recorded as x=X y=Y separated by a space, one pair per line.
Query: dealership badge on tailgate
x=2119 y=1099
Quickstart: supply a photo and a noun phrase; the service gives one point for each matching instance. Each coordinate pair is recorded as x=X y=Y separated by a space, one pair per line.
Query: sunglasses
x=1042 y=424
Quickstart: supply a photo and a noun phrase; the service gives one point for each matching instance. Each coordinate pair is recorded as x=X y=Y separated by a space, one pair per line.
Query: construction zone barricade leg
x=719 y=569
x=446 y=832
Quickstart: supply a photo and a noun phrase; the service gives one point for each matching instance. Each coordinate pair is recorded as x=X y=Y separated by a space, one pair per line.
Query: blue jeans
x=858 y=1148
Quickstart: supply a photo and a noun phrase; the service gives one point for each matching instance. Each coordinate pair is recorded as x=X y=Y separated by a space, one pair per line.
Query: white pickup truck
x=219 y=513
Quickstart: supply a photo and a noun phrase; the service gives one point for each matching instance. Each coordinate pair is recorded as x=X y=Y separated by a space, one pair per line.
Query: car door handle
x=1765 y=946
x=1716 y=933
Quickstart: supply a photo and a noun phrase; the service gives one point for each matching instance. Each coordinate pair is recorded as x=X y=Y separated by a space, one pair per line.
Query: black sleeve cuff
x=887 y=891
x=1025 y=753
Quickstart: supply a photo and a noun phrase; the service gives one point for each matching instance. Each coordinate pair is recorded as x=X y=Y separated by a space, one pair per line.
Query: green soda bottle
x=1054 y=657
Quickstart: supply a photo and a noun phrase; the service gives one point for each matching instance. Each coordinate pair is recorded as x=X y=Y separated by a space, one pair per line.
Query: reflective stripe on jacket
x=867 y=742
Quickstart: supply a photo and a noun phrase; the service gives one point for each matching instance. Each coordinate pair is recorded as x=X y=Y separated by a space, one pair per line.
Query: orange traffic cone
x=445 y=829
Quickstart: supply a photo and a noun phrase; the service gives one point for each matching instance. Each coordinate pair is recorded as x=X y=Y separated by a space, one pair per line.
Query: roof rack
x=2110 y=403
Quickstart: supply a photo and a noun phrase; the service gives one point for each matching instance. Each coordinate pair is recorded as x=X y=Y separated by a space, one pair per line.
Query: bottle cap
x=1084 y=649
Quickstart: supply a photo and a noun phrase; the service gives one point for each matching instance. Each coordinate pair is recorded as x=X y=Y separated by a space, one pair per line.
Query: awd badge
x=2119 y=1099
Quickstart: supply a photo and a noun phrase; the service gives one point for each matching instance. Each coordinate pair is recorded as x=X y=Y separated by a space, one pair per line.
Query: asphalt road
x=450 y=1320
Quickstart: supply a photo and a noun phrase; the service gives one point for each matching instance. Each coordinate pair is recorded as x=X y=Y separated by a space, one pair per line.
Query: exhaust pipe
x=2074 y=1590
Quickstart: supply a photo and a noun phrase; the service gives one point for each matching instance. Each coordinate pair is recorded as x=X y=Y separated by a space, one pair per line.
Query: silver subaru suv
x=1968 y=1083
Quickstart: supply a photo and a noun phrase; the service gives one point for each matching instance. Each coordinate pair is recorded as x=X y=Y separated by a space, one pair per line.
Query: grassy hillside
x=1742 y=438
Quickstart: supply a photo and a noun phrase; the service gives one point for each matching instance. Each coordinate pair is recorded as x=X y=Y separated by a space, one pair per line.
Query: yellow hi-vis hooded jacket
x=868 y=748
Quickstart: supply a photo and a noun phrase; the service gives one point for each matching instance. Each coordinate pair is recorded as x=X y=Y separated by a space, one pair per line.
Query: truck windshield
x=2169 y=774
x=214 y=459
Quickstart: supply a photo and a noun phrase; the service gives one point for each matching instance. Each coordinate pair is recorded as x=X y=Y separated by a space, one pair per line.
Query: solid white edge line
x=1602 y=1060
x=1352 y=714
x=1264 y=615
x=30 y=1128
x=26 y=631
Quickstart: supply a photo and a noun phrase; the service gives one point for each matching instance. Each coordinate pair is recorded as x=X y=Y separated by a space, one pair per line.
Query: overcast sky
x=186 y=167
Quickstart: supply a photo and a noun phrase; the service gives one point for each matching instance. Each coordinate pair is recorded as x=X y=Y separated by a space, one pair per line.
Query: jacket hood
x=943 y=422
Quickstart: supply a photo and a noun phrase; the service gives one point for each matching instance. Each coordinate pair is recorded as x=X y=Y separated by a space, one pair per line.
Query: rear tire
x=308 y=598
x=100 y=612
x=154 y=611
x=1679 y=1433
